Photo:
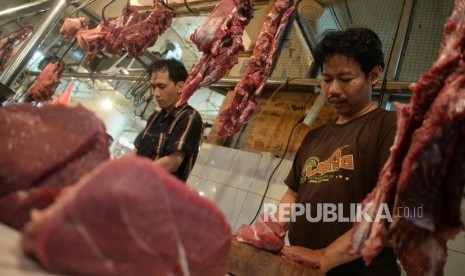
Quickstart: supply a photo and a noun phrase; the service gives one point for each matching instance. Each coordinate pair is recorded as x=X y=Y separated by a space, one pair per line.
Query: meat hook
x=196 y=13
x=67 y=50
x=83 y=5
x=166 y=5
x=105 y=7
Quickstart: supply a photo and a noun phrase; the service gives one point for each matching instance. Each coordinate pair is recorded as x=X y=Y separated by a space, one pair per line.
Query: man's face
x=165 y=91
x=346 y=87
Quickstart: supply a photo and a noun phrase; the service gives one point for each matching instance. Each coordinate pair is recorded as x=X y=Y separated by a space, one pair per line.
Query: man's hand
x=302 y=255
x=267 y=233
x=325 y=259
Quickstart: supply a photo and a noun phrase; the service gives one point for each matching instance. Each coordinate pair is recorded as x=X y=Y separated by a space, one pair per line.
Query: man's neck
x=341 y=119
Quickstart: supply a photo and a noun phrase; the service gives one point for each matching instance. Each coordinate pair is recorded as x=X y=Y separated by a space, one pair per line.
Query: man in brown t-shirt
x=338 y=164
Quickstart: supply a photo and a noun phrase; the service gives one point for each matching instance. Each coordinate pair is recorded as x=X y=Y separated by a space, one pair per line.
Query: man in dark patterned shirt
x=172 y=136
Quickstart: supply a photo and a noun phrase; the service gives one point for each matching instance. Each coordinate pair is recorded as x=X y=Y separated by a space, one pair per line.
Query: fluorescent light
x=106 y=104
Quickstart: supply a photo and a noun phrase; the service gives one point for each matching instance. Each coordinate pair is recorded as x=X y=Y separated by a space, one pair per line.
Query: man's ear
x=375 y=75
x=180 y=85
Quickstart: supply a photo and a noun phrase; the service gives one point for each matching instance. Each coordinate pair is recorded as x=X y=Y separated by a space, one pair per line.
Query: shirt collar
x=175 y=111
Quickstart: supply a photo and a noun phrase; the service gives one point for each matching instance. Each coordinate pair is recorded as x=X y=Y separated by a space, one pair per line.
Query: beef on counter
x=248 y=91
x=424 y=173
x=220 y=40
x=130 y=217
x=43 y=150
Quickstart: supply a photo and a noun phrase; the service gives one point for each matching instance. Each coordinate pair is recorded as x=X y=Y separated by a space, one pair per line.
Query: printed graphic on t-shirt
x=317 y=171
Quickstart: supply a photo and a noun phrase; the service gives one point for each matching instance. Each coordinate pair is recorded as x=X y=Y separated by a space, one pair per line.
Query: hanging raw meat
x=125 y=33
x=248 y=91
x=71 y=27
x=44 y=149
x=117 y=226
x=424 y=173
x=114 y=40
x=220 y=40
x=137 y=38
x=92 y=41
x=46 y=83
x=11 y=43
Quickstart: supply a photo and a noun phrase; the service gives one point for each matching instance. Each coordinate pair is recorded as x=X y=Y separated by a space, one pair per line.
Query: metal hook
x=166 y=5
x=83 y=5
x=105 y=7
x=196 y=13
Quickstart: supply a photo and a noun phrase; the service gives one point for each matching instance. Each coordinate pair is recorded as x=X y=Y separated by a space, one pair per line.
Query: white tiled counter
x=236 y=180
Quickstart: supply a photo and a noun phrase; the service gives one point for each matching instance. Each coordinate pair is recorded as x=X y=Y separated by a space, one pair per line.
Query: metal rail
x=230 y=82
x=25 y=53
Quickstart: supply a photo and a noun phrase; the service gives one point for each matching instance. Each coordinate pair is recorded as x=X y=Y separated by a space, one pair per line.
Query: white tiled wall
x=236 y=180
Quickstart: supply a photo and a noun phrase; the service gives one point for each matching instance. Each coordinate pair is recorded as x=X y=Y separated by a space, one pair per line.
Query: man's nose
x=333 y=88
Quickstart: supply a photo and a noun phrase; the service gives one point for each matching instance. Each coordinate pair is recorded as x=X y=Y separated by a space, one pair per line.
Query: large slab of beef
x=46 y=83
x=248 y=91
x=113 y=40
x=425 y=169
x=127 y=32
x=137 y=38
x=130 y=217
x=11 y=43
x=220 y=40
x=43 y=150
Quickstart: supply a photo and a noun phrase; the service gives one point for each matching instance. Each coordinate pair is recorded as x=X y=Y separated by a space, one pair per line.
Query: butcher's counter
x=244 y=260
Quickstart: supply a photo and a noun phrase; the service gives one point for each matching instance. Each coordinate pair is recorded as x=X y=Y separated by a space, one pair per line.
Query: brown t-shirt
x=336 y=166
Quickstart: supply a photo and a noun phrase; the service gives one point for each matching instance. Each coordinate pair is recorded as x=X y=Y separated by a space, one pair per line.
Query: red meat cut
x=129 y=217
x=220 y=40
x=46 y=83
x=248 y=91
x=264 y=234
x=425 y=167
x=43 y=150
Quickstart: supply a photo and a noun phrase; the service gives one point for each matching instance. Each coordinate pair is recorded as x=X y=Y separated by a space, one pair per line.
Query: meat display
x=248 y=91
x=125 y=32
x=220 y=40
x=43 y=150
x=139 y=37
x=92 y=41
x=117 y=226
x=114 y=40
x=264 y=234
x=425 y=169
x=71 y=27
x=46 y=83
x=11 y=43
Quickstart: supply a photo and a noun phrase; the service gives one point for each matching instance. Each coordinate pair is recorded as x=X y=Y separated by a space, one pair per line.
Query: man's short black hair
x=176 y=70
x=360 y=44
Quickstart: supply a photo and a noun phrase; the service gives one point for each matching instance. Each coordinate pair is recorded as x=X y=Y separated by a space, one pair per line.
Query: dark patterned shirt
x=165 y=133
